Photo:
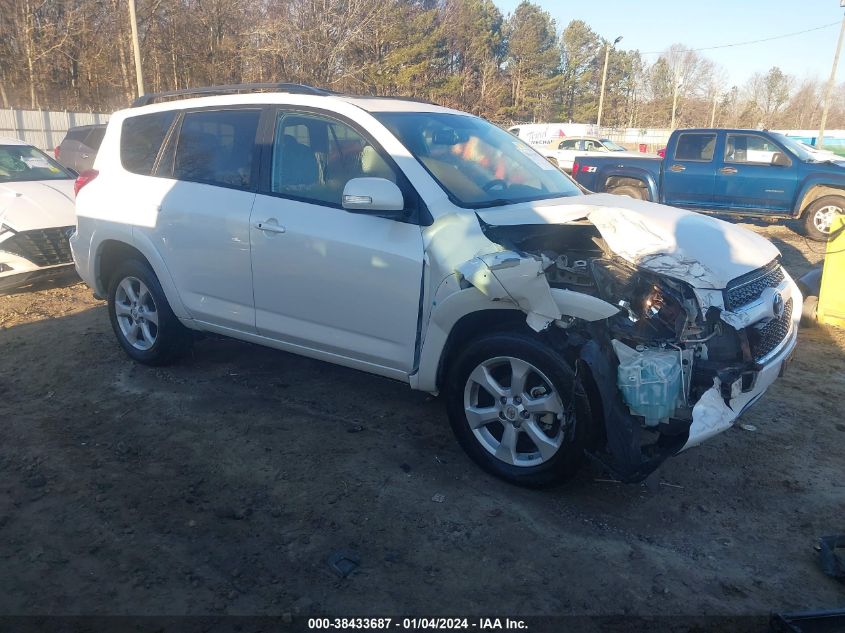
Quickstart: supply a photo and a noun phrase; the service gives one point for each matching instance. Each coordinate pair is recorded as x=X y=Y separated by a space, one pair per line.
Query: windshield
x=476 y=163
x=23 y=162
x=793 y=146
x=613 y=147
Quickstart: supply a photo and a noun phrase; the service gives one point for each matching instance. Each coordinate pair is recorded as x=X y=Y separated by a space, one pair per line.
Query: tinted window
x=314 y=157
x=76 y=134
x=571 y=144
x=141 y=138
x=695 y=147
x=95 y=137
x=216 y=147
x=749 y=148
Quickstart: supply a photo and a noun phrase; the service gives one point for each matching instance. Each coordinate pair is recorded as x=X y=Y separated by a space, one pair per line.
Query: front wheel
x=141 y=318
x=517 y=409
x=820 y=217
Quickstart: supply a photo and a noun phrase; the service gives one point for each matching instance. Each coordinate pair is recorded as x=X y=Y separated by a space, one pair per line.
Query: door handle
x=85 y=156
x=269 y=226
x=677 y=168
x=727 y=170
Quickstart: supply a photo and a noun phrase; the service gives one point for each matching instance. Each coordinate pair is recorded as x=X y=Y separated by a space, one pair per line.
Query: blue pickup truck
x=731 y=172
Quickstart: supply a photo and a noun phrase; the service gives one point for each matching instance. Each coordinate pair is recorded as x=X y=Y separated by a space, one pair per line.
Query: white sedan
x=562 y=152
x=37 y=214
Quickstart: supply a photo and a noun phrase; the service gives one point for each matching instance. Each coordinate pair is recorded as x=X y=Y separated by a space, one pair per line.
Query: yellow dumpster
x=831 y=308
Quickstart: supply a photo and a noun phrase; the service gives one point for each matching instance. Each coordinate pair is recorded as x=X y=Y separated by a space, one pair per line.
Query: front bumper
x=27 y=253
x=711 y=415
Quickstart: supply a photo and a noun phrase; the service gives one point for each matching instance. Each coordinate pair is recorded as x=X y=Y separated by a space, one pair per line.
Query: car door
x=202 y=224
x=749 y=180
x=689 y=176
x=340 y=284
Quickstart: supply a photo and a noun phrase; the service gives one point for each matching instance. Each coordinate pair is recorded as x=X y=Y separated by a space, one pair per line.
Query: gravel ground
x=222 y=485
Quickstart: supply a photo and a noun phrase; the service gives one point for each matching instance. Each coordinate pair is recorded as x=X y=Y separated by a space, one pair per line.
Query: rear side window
x=141 y=138
x=76 y=134
x=695 y=147
x=95 y=137
x=216 y=147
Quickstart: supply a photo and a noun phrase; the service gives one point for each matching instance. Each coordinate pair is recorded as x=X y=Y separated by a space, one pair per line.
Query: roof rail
x=301 y=89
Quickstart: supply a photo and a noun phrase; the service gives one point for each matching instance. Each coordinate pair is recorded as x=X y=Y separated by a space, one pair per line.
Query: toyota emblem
x=777 y=305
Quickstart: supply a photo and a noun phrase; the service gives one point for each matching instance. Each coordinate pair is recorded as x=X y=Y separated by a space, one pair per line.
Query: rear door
x=689 y=176
x=342 y=284
x=748 y=180
x=202 y=224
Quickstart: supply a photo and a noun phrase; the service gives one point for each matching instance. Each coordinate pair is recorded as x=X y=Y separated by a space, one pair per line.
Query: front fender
x=814 y=187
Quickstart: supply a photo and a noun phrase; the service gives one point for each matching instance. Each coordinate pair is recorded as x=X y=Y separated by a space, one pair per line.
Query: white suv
x=426 y=245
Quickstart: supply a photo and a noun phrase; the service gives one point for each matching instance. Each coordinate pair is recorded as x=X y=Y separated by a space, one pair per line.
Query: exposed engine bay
x=657 y=360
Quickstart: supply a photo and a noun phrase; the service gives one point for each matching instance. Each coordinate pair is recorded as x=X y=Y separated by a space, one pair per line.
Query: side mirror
x=372 y=195
x=779 y=159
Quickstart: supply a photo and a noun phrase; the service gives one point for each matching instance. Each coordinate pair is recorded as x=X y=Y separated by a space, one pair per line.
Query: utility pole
x=713 y=112
x=604 y=77
x=139 y=75
x=830 y=82
x=677 y=86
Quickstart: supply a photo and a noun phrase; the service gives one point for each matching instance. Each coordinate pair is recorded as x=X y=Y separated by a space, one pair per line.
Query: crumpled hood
x=37 y=205
x=700 y=250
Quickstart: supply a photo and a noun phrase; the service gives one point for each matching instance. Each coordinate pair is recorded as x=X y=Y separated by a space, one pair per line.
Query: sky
x=654 y=25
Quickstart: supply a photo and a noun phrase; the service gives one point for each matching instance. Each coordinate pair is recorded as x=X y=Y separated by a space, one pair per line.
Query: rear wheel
x=141 y=318
x=517 y=409
x=629 y=191
x=820 y=217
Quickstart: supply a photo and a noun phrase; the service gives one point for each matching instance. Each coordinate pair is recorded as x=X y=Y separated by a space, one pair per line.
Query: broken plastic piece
x=710 y=416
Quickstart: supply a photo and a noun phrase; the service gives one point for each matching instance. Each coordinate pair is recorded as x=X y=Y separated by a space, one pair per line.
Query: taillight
x=56 y=152
x=575 y=168
x=83 y=179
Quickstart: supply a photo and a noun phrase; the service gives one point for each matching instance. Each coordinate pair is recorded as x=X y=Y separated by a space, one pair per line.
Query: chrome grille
x=43 y=247
x=743 y=291
x=771 y=334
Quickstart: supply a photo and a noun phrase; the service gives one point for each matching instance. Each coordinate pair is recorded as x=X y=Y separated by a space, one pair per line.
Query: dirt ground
x=222 y=485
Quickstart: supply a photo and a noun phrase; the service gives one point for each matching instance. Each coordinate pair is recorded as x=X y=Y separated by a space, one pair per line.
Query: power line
x=766 y=39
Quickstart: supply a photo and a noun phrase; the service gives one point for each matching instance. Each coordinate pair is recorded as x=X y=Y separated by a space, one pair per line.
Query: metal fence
x=42 y=128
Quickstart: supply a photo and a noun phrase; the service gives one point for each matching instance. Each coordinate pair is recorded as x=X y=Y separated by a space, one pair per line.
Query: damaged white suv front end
x=679 y=321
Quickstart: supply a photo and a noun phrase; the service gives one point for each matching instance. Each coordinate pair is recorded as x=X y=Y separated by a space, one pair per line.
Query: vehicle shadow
x=42 y=281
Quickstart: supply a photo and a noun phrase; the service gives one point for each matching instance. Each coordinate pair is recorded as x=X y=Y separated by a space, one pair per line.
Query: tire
x=136 y=303
x=818 y=217
x=629 y=191
x=809 y=311
x=502 y=442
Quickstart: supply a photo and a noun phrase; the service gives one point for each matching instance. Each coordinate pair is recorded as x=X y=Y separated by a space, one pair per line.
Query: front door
x=749 y=180
x=325 y=279
x=689 y=175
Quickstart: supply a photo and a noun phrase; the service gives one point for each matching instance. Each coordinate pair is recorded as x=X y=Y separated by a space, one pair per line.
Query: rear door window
x=217 y=147
x=141 y=138
x=695 y=147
